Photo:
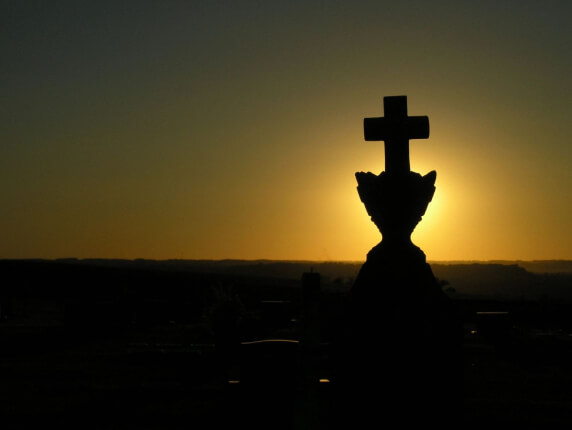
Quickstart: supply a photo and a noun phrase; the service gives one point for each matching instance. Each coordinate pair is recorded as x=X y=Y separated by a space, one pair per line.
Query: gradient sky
x=233 y=129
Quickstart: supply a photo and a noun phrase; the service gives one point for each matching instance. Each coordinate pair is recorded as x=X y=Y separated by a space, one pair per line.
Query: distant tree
x=444 y=286
x=226 y=313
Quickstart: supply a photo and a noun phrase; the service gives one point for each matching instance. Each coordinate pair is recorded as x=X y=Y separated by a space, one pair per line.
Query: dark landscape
x=181 y=344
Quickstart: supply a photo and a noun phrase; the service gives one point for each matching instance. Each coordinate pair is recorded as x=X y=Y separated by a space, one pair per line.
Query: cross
x=395 y=129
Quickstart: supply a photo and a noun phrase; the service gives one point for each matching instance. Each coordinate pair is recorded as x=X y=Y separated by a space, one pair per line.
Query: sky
x=233 y=129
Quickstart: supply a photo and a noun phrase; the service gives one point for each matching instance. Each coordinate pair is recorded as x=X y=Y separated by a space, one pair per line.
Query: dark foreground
x=164 y=362
x=118 y=383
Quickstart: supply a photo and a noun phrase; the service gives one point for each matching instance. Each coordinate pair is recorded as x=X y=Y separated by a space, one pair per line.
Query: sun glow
x=439 y=222
x=433 y=215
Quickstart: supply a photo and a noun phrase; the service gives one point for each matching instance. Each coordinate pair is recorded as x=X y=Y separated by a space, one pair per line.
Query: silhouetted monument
x=403 y=356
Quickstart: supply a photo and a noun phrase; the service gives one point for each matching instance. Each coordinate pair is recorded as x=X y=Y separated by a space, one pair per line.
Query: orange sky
x=203 y=130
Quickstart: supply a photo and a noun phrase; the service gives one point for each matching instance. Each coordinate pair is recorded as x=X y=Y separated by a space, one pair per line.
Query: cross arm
x=387 y=128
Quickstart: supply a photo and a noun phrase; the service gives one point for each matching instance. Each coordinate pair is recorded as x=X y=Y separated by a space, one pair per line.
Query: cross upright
x=395 y=129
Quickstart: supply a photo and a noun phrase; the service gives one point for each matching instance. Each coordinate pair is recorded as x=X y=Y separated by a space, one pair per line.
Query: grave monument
x=403 y=357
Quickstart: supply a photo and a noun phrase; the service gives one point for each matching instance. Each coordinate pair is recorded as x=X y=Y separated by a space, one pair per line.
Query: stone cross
x=395 y=129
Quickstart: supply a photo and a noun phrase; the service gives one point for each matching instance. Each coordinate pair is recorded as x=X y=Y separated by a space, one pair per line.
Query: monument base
x=402 y=359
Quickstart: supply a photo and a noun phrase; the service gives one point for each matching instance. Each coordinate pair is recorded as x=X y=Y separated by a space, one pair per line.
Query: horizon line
x=270 y=260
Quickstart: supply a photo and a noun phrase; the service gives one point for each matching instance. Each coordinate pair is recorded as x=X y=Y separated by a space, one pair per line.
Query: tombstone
x=402 y=359
x=277 y=379
x=308 y=407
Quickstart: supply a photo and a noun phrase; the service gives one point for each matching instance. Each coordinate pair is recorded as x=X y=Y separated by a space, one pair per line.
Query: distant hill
x=292 y=268
x=534 y=266
x=530 y=280
x=491 y=280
